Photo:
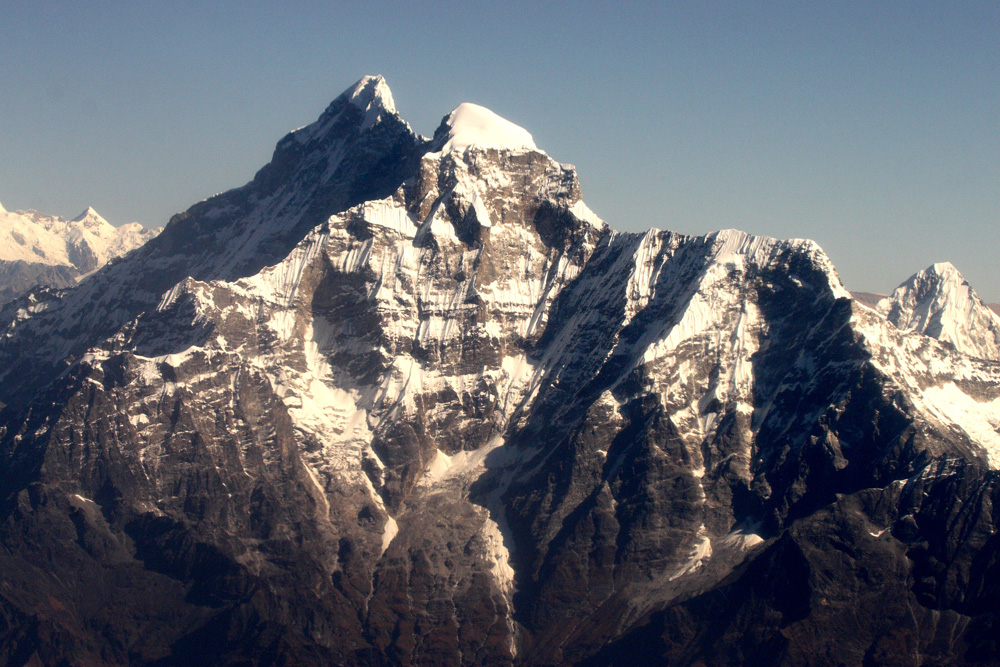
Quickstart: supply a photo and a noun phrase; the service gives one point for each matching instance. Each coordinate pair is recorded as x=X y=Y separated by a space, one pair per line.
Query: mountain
x=940 y=303
x=407 y=400
x=38 y=249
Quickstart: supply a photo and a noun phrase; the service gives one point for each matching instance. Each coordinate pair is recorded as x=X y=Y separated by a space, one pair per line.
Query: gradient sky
x=873 y=128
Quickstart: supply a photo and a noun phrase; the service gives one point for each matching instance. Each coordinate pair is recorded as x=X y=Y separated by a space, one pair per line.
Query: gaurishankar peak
x=90 y=215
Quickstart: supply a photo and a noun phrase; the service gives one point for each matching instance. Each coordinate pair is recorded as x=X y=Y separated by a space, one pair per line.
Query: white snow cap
x=371 y=94
x=2 y=209
x=941 y=268
x=90 y=214
x=473 y=125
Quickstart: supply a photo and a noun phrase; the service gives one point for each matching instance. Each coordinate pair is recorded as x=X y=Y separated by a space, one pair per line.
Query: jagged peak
x=938 y=281
x=733 y=246
x=473 y=125
x=370 y=95
x=940 y=277
x=371 y=90
x=939 y=302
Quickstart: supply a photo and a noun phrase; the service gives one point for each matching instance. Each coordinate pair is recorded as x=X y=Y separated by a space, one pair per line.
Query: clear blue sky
x=873 y=128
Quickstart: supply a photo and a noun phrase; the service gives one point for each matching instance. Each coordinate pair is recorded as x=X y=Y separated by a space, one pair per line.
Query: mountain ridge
x=393 y=405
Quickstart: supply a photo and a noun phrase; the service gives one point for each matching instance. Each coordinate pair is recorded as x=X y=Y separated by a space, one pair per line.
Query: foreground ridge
x=410 y=401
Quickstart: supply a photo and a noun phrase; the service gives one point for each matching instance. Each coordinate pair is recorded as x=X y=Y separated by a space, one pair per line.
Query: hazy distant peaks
x=91 y=218
x=474 y=125
x=85 y=243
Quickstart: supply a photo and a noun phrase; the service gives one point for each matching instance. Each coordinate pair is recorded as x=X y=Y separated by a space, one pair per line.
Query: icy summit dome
x=473 y=125
x=942 y=268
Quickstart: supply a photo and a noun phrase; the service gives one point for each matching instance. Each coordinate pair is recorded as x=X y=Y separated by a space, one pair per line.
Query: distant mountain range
x=407 y=400
x=46 y=250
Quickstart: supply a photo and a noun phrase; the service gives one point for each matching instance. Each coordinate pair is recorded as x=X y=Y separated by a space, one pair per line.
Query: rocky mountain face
x=409 y=401
x=39 y=250
x=940 y=303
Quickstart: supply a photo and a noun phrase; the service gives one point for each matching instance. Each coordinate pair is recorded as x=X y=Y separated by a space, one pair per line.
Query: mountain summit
x=473 y=125
x=407 y=401
x=940 y=303
x=92 y=216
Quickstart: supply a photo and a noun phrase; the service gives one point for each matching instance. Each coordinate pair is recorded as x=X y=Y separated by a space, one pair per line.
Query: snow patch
x=389 y=532
x=320 y=491
x=583 y=212
x=498 y=556
x=981 y=421
x=700 y=553
x=387 y=213
x=482 y=215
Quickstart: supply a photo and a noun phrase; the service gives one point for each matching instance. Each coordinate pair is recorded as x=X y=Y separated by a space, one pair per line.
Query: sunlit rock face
x=410 y=401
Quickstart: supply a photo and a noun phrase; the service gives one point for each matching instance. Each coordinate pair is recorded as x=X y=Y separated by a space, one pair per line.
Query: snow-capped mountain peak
x=371 y=95
x=376 y=374
x=940 y=303
x=943 y=268
x=473 y=125
x=91 y=219
x=371 y=91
